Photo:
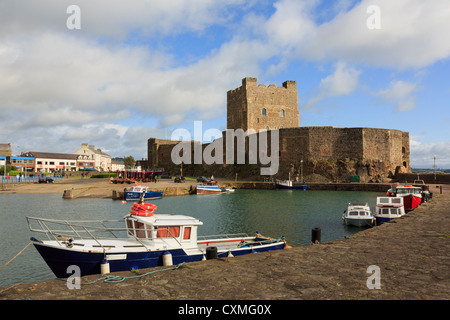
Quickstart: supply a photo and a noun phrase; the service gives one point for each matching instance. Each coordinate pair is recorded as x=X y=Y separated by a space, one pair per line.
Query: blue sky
x=140 y=69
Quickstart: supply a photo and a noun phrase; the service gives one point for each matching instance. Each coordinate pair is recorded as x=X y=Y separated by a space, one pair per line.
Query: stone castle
x=318 y=154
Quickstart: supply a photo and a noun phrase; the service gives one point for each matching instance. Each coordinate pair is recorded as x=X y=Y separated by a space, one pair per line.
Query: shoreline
x=101 y=188
x=411 y=252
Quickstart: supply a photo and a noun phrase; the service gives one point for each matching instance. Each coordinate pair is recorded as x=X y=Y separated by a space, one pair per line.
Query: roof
x=50 y=155
x=169 y=220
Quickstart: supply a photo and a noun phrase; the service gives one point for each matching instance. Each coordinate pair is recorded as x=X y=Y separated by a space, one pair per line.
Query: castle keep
x=322 y=154
x=261 y=107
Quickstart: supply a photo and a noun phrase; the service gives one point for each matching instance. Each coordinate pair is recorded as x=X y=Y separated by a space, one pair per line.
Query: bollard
x=315 y=235
x=211 y=253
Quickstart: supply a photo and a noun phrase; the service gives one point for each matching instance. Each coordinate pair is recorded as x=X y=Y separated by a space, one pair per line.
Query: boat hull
x=411 y=202
x=60 y=258
x=359 y=222
x=132 y=195
x=294 y=187
x=208 y=190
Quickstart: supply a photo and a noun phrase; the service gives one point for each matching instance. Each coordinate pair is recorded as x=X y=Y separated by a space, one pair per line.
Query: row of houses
x=87 y=157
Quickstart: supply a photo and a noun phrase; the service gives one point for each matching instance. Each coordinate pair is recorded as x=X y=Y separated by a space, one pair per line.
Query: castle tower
x=260 y=107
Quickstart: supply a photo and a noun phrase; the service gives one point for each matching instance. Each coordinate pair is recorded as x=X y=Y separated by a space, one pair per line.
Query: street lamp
x=301 y=163
x=434 y=166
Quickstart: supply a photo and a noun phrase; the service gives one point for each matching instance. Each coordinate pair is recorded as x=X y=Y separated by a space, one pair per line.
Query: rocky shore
x=410 y=254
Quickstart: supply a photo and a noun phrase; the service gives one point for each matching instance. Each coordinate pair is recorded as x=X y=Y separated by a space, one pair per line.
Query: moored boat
x=389 y=208
x=358 y=215
x=412 y=196
x=142 y=241
x=288 y=184
x=206 y=189
x=135 y=192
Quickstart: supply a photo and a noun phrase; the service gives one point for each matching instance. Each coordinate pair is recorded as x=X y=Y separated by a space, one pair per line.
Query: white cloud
x=412 y=34
x=342 y=82
x=401 y=94
x=422 y=154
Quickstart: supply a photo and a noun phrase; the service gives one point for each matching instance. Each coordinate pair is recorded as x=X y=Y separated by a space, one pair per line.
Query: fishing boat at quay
x=288 y=184
x=152 y=240
x=135 y=192
x=389 y=208
x=411 y=195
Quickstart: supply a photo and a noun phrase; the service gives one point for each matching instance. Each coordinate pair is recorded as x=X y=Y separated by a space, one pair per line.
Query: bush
x=104 y=175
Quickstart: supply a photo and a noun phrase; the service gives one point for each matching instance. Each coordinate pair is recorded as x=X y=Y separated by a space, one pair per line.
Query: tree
x=129 y=162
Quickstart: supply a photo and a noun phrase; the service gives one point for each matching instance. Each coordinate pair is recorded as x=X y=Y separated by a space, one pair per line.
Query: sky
x=115 y=73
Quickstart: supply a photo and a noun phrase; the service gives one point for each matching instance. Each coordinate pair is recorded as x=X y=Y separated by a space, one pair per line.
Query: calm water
x=271 y=212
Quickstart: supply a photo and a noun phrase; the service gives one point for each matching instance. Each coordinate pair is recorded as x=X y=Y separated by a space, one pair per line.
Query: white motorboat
x=389 y=208
x=358 y=215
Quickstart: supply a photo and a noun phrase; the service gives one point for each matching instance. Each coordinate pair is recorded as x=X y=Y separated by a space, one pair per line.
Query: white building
x=53 y=162
x=91 y=158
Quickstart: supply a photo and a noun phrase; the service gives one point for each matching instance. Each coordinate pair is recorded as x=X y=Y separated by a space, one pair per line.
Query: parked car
x=46 y=179
x=202 y=179
x=179 y=179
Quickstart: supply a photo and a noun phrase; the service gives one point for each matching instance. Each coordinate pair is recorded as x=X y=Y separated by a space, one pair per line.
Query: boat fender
x=104 y=267
x=167 y=259
x=230 y=255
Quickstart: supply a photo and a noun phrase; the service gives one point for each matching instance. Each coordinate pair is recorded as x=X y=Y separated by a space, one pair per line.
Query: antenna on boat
x=141 y=199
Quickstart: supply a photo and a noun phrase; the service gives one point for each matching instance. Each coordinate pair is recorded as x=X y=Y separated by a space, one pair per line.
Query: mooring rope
x=16 y=255
x=117 y=279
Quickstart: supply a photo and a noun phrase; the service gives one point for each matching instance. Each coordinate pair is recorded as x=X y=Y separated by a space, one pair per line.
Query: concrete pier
x=410 y=254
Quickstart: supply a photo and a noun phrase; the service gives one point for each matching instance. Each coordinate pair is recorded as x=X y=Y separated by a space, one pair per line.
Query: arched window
x=264 y=112
x=282 y=113
x=267 y=127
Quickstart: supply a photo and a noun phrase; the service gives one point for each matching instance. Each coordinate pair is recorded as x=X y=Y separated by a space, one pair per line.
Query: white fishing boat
x=146 y=240
x=288 y=184
x=358 y=215
x=389 y=208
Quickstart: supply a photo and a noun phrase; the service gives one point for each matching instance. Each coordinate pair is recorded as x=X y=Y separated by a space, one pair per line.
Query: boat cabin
x=408 y=189
x=163 y=229
x=390 y=206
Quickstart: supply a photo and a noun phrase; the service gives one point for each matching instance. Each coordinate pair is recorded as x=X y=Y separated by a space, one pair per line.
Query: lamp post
x=301 y=169
x=434 y=166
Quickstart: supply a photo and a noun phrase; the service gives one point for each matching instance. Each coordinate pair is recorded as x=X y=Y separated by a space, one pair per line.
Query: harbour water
x=270 y=212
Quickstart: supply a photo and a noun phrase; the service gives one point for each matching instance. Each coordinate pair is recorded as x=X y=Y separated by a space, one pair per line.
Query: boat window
x=384 y=200
x=394 y=211
x=385 y=211
x=353 y=213
x=187 y=233
x=140 y=229
x=167 y=232
x=396 y=200
x=362 y=213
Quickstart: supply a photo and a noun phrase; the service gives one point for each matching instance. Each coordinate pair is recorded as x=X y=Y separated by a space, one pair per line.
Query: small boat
x=389 y=208
x=228 y=189
x=149 y=239
x=412 y=196
x=134 y=193
x=287 y=184
x=206 y=189
x=358 y=215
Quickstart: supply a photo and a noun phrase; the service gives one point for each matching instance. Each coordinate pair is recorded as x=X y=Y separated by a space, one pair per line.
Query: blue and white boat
x=206 y=189
x=389 y=208
x=148 y=239
x=134 y=193
x=288 y=184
